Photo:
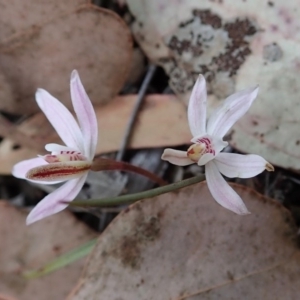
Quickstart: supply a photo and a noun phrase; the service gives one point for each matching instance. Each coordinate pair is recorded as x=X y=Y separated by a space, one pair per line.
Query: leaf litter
x=42 y=55
x=188 y=247
x=25 y=248
x=138 y=242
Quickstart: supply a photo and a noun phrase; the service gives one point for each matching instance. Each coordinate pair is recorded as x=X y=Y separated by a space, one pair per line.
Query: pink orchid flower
x=69 y=163
x=208 y=144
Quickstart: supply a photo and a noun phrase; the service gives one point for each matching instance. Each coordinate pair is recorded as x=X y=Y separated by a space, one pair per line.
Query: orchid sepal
x=234 y=165
x=176 y=157
x=53 y=203
x=222 y=192
x=233 y=108
x=197 y=107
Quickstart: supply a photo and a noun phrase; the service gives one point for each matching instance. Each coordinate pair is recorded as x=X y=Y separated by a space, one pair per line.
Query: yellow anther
x=196 y=151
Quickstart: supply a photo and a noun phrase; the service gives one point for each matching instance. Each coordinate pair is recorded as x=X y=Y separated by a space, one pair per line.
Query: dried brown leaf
x=92 y=40
x=17 y=15
x=185 y=246
x=24 y=248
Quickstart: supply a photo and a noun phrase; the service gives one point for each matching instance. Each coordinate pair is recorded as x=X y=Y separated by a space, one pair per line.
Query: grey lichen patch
x=222 y=85
x=129 y=248
x=207 y=44
x=272 y=52
x=197 y=43
x=208 y=18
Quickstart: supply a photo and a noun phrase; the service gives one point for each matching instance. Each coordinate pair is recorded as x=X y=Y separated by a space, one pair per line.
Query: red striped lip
x=59 y=171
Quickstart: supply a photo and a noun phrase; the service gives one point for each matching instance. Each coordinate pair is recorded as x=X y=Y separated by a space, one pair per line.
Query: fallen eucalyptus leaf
x=93 y=40
x=25 y=248
x=184 y=245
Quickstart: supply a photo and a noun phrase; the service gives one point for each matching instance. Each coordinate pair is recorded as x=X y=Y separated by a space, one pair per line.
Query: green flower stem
x=131 y=198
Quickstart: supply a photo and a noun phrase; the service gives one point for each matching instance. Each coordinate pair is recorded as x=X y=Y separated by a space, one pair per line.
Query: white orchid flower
x=69 y=163
x=208 y=144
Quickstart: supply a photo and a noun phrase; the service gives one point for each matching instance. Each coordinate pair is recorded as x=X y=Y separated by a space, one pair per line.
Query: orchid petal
x=205 y=158
x=222 y=192
x=176 y=157
x=85 y=114
x=234 y=107
x=61 y=119
x=52 y=147
x=197 y=107
x=51 y=204
x=219 y=145
x=242 y=166
x=59 y=171
x=22 y=168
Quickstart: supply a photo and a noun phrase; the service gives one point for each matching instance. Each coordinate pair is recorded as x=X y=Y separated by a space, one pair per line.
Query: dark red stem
x=106 y=164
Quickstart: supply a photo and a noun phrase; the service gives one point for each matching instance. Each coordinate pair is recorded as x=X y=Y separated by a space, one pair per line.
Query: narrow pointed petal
x=176 y=157
x=205 y=158
x=59 y=171
x=61 y=119
x=222 y=192
x=234 y=107
x=22 y=168
x=243 y=166
x=52 y=147
x=51 y=204
x=218 y=144
x=85 y=114
x=197 y=108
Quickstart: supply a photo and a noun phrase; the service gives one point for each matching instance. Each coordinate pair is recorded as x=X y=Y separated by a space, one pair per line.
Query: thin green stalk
x=63 y=260
x=127 y=199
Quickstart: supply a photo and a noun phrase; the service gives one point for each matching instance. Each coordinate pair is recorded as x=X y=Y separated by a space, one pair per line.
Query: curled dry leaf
x=235 y=45
x=24 y=248
x=185 y=246
x=92 y=40
x=17 y=15
x=160 y=122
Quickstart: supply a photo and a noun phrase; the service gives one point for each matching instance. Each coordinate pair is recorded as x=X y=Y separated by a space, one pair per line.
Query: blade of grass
x=62 y=261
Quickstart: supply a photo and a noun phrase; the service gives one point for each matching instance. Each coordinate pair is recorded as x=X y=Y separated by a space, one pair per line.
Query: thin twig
x=141 y=94
x=102 y=164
